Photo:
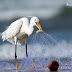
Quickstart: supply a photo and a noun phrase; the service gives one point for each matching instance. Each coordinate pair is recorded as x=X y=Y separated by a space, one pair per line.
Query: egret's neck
x=30 y=29
x=31 y=24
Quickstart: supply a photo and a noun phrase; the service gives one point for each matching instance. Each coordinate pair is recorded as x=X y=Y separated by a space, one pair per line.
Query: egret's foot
x=32 y=63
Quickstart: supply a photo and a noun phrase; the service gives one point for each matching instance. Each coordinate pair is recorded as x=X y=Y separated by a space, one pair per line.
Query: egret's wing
x=12 y=30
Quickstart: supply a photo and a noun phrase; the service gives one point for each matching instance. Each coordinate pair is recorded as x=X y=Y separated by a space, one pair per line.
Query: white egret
x=19 y=30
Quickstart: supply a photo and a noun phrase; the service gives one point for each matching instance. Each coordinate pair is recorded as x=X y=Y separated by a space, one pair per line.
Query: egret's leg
x=26 y=51
x=15 y=51
x=26 y=48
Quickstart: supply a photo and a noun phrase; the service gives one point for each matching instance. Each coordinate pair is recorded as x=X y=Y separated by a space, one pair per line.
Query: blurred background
x=55 y=18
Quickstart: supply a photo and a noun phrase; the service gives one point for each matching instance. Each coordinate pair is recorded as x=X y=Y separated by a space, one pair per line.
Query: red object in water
x=53 y=65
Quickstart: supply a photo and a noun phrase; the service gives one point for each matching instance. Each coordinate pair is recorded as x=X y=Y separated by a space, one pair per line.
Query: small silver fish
x=39 y=31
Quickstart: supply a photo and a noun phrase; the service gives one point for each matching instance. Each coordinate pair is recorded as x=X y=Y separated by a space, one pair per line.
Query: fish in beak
x=38 y=26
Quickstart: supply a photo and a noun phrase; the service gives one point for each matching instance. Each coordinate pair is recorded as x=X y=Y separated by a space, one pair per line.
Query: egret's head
x=35 y=21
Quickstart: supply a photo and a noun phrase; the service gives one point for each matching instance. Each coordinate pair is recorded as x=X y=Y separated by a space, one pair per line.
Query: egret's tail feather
x=3 y=36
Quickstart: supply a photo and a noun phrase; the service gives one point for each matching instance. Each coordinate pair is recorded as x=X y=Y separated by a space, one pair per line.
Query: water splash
x=45 y=45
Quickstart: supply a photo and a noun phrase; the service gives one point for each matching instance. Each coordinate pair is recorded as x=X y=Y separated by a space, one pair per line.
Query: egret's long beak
x=38 y=26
